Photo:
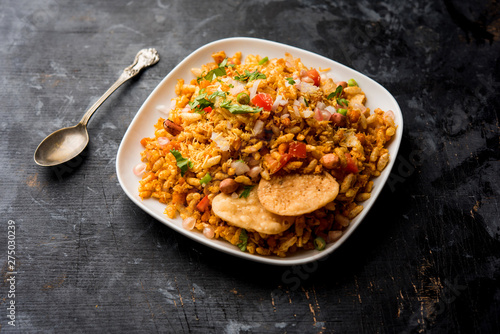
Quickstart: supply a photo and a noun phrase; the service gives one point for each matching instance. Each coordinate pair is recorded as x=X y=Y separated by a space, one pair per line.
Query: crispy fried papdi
x=296 y=194
x=248 y=213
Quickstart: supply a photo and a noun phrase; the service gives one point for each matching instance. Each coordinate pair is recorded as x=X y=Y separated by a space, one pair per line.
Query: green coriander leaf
x=306 y=103
x=249 y=76
x=244 y=240
x=200 y=102
x=263 y=61
x=183 y=163
x=207 y=178
x=223 y=63
x=290 y=81
x=338 y=91
x=216 y=72
x=256 y=75
x=239 y=109
x=342 y=102
x=218 y=93
x=246 y=192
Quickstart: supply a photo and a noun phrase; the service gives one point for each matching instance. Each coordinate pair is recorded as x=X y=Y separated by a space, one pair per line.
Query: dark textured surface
x=426 y=259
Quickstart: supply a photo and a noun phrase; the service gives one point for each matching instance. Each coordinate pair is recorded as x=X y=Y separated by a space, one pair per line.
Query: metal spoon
x=66 y=143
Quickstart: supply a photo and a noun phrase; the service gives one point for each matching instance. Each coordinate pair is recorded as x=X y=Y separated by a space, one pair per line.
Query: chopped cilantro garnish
x=244 y=240
x=218 y=93
x=207 y=178
x=182 y=162
x=249 y=76
x=290 y=81
x=200 y=102
x=342 y=102
x=246 y=191
x=336 y=93
x=263 y=61
x=216 y=72
x=306 y=103
x=238 y=108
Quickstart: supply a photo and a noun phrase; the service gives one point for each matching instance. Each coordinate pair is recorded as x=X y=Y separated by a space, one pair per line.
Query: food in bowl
x=268 y=154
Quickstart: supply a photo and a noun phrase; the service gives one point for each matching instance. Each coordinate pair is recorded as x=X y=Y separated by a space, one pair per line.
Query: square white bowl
x=142 y=126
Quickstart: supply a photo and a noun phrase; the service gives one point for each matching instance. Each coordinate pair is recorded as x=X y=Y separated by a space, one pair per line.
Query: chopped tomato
x=207 y=109
x=203 y=205
x=297 y=150
x=351 y=164
x=263 y=100
x=278 y=164
x=314 y=75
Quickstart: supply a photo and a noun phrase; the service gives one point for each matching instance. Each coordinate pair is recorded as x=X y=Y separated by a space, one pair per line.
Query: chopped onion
x=139 y=168
x=254 y=172
x=235 y=195
x=296 y=111
x=252 y=162
x=221 y=142
x=331 y=110
x=163 y=108
x=253 y=89
x=162 y=141
x=189 y=223
x=321 y=105
x=285 y=116
x=305 y=87
x=187 y=108
x=361 y=107
x=209 y=232
x=318 y=115
x=308 y=113
x=390 y=114
x=334 y=236
x=238 y=87
x=279 y=102
x=239 y=167
x=308 y=80
x=258 y=127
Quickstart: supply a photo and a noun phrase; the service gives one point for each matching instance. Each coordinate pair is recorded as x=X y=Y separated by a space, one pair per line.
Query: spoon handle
x=143 y=59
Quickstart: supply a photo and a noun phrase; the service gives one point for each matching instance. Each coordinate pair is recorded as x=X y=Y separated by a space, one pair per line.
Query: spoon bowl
x=64 y=144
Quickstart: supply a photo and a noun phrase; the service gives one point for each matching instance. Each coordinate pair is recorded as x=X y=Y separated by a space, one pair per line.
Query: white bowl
x=142 y=126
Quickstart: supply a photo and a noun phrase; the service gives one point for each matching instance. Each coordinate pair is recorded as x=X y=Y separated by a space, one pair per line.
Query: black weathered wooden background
x=426 y=259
